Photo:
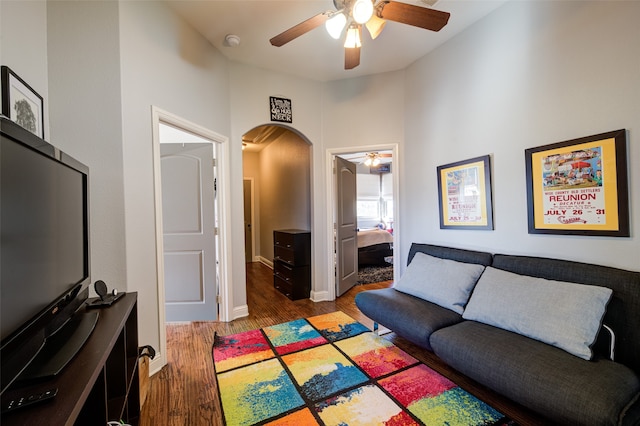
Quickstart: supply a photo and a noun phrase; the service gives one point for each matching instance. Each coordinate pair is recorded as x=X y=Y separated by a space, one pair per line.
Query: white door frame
x=253 y=216
x=222 y=155
x=331 y=202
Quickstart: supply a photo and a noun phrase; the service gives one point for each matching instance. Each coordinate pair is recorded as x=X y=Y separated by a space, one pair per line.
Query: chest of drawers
x=292 y=262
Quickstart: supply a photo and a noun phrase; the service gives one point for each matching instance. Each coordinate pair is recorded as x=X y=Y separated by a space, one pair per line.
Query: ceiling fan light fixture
x=336 y=24
x=375 y=25
x=362 y=11
x=372 y=160
x=353 y=37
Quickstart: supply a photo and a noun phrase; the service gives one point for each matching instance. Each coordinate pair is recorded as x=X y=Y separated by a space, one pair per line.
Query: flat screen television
x=44 y=256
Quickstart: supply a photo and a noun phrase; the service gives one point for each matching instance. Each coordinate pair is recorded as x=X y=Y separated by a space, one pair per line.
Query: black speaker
x=101 y=289
x=103 y=298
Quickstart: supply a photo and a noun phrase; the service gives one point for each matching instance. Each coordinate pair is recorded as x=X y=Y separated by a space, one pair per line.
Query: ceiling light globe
x=335 y=25
x=362 y=11
x=353 y=37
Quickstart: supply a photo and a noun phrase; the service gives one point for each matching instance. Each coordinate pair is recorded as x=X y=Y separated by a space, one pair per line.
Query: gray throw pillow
x=445 y=282
x=562 y=314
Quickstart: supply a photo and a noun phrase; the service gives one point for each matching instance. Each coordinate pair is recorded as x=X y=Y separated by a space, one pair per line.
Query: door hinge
x=213 y=162
x=218 y=299
x=216 y=231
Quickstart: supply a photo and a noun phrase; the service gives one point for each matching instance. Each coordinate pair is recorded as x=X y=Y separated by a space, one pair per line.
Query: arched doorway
x=277 y=162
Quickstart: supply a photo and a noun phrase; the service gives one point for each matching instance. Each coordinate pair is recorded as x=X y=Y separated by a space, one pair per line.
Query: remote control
x=28 y=400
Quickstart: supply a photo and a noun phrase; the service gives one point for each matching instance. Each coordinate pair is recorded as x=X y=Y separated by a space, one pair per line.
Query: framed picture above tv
x=20 y=103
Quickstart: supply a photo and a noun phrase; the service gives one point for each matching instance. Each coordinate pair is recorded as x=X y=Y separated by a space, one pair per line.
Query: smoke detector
x=231 y=40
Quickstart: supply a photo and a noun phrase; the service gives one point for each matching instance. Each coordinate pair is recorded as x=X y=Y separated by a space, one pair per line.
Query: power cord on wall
x=143 y=351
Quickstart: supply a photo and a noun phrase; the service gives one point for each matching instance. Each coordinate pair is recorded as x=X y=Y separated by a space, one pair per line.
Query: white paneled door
x=189 y=231
x=346 y=226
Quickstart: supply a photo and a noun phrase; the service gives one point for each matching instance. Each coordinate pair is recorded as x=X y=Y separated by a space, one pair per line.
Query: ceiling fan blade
x=429 y=19
x=351 y=57
x=300 y=29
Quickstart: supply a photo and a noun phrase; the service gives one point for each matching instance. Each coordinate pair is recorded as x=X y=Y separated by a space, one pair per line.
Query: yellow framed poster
x=579 y=187
x=464 y=194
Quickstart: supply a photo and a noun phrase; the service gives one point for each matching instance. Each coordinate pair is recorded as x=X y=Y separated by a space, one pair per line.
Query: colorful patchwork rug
x=331 y=370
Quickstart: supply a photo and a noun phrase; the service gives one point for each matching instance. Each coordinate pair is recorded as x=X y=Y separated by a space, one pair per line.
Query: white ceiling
x=316 y=55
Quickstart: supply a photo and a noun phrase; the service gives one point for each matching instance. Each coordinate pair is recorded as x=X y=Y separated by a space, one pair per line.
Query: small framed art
x=464 y=194
x=579 y=186
x=281 y=109
x=20 y=103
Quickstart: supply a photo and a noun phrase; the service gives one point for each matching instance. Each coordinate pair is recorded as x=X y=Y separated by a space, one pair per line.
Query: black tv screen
x=44 y=254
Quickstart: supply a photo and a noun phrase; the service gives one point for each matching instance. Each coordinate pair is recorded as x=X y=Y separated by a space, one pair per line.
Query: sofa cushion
x=562 y=314
x=565 y=388
x=445 y=282
x=410 y=317
x=622 y=310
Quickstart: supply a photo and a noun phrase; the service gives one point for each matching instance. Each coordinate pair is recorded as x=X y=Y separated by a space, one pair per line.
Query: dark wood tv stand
x=92 y=387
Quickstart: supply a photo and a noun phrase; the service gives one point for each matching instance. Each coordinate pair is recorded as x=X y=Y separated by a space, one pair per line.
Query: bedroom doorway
x=376 y=213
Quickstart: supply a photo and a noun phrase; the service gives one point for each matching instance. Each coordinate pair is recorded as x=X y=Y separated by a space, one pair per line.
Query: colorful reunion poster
x=575 y=187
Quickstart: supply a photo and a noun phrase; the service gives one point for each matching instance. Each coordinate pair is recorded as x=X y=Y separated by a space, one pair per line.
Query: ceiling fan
x=373 y=14
x=370 y=159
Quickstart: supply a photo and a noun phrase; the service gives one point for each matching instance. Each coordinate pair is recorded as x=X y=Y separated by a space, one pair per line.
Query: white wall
x=164 y=63
x=26 y=20
x=364 y=111
x=86 y=122
x=250 y=91
x=530 y=74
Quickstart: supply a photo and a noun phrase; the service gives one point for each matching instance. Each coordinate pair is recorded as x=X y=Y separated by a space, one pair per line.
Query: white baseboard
x=240 y=312
x=265 y=261
x=319 y=296
x=157 y=363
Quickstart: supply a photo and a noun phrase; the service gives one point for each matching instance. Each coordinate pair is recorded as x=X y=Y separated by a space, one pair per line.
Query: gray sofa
x=561 y=386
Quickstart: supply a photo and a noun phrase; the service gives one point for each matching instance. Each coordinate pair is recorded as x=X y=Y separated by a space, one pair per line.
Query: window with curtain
x=375 y=199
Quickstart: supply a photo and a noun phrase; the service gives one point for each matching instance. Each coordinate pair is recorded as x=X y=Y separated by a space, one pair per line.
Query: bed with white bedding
x=373 y=246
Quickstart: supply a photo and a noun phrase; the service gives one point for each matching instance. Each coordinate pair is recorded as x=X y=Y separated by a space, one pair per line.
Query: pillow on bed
x=444 y=282
x=562 y=314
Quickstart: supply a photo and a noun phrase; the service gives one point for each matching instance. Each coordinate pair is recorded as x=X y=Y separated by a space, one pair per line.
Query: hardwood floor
x=184 y=392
